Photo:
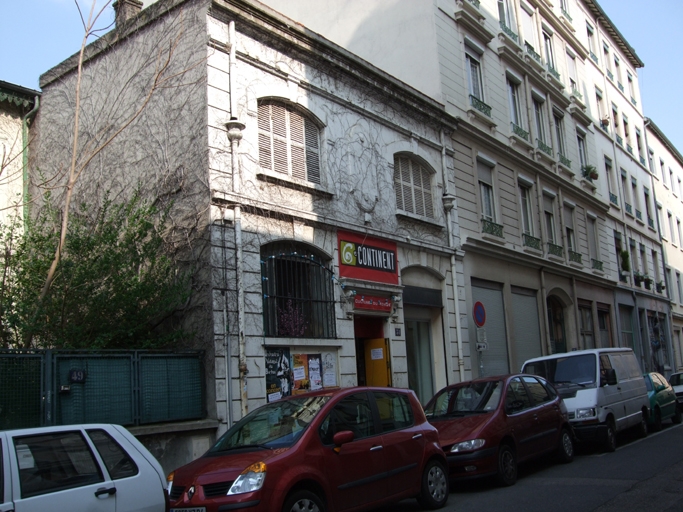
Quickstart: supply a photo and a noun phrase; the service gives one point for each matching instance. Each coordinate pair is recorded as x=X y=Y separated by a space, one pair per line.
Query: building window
x=571 y=69
x=671 y=228
x=643 y=260
x=474 y=76
x=661 y=167
x=507 y=14
x=678 y=287
x=514 y=101
x=603 y=118
x=617 y=69
x=539 y=117
x=526 y=209
x=581 y=142
x=559 y=133
x=549 y=53
x=569 y=227
x=671 y=180
x=648 y=206
x=549 y=213
x=488 y=206
x=615 y=120
x=651 y=160
x=631 y=89
x=586 y=319
x=413 y=184
x=593 y=238
x=660 y=219
x=639 y=144
x=288 y=142
x=634 y=194
x=298 y=294
x=528 y=27
x=655 y=264
x=590 y=33
x=627 y=132
x=678 y=230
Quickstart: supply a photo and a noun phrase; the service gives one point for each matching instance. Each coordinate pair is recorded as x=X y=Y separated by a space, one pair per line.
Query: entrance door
x=377 y=369
x=419 y=358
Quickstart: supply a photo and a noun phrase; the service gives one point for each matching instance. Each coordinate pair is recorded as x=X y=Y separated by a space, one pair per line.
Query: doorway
x=419 y=359
x=373 y=366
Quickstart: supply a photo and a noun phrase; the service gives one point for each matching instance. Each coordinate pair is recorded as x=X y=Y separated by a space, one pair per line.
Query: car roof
x=61 y=428
x=347 y=391
x=490 y=378
x=596 y=351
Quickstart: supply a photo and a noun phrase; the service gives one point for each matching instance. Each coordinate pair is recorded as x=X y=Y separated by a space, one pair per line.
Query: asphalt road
x=643 y=474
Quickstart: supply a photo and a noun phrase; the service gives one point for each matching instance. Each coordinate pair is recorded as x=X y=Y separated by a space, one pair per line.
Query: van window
x=626 y=366
x=578 y=369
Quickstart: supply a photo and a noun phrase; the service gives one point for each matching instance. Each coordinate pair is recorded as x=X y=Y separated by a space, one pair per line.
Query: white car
x=79 y=468
x=676 y=381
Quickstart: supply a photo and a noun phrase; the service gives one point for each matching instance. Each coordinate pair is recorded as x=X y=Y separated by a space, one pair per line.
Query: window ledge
x=293 y=183
x=419 y=218
x=493 y=238
x=531 y=250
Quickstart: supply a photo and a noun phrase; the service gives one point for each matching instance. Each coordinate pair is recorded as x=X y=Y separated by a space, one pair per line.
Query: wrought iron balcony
x=621 y=87
x=565 y=161
x=530 y=50
x=544 y=147
x=480 y=105
x=596 y=264
x=595 y=58
x=642 y=161
x=517 y=130
x=574 y=256
x=531 y=241
x=613 y=199
x=553 y=72
x=508 y=31
x=629 y=148
x=651 y=222
x=475 y=3
x=566 y=15
x=620 y=141
x=610 y=75
x=629 y=208
x=633 y=100
x=491 y=228
x=639 y=214
x=555 y=250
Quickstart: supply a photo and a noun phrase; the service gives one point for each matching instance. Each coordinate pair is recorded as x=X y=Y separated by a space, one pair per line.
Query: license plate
x=195 y=509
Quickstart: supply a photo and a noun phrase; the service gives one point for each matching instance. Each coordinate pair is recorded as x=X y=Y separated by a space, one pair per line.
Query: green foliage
x=115 y=287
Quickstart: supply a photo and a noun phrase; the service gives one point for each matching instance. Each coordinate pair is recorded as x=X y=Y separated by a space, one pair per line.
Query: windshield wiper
x=239 y=447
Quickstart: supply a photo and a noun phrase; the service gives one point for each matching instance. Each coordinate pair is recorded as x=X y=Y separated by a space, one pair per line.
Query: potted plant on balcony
x=638 y=278
x=648 y=281
x=590 y=172
x=625 y=264
x=660 y=286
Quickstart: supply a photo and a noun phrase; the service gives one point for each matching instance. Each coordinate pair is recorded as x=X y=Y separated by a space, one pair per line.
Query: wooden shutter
x=312 y=152
x=279 y=122
x=265 y=153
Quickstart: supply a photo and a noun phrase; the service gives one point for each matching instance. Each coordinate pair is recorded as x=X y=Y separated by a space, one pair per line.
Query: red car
x=345 y=449
x=487 y=426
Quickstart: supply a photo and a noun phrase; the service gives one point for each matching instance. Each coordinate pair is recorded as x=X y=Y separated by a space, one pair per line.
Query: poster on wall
x=329 y=370
x=279 y=377
x=307 y=372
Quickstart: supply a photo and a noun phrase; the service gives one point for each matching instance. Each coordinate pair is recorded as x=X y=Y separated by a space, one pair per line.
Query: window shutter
x=419 y=195
x=279 y=120
x=264 y=137
x=406 y=184
x=569 y=217
x=398 y=185
x=296 y=134
x=427 y=188
x=312 y=152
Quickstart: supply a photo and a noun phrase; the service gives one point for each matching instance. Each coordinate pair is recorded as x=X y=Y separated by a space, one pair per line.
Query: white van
x=603 y=389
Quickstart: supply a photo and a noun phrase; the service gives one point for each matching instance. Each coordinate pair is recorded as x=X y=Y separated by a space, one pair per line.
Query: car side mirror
x=610 y=378
x=343 y=437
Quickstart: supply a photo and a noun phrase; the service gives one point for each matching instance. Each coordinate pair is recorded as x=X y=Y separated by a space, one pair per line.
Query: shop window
x=298 y=294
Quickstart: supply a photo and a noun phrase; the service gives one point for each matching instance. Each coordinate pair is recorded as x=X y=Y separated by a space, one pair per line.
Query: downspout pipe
x=24 y=150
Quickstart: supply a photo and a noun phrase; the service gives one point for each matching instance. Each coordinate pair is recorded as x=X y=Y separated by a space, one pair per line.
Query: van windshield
x=578 y=370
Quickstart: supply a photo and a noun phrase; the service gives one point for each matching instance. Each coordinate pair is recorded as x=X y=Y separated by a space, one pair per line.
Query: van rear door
x=6 y=504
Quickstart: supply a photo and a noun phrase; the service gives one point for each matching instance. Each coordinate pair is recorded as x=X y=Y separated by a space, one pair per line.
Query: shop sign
x=372 y=303
x=367 y=258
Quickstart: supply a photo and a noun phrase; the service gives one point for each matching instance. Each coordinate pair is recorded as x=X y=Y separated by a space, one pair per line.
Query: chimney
x=126 y=9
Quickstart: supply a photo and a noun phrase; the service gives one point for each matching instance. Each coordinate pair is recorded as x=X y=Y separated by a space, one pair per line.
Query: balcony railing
x=508 y=31
x=480 y=105
x=610 y=75
x=621 y=87
x=530 y=50
x=555 y=250
x=620 y=141
x=566 y=15
x=595 y=58
x=544 y=147
x=596 y=264
x=651 y=222
x=574 y=256
x=554 y=72
x=629 y=208
x=475 y=3
x=629 y=148
x=639 y=215
x=531 y=241
x=633 y=100
x=565 y=161
x=517 y=130
x=491 y=228
x=613 y=199
x=642 y=161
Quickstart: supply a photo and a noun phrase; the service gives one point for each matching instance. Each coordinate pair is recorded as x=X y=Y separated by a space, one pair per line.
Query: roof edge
x=628 y=50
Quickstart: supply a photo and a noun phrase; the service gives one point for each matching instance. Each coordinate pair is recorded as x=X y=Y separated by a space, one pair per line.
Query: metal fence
x=55 y=387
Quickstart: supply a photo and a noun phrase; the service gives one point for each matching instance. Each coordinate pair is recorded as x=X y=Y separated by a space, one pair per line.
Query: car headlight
x=585 y=413
x=250 y=480
x=468 y=446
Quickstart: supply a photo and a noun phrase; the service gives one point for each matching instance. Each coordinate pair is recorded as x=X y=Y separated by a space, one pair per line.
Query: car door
x=138 y=487
x=6 y=504
x=547 y=414
x=356 y=470
x=664 y=395
x=522 y=421
x=402 y=440
x=57 y=470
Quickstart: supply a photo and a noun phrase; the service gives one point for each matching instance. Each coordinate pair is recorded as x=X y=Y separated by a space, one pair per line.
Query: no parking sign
x=479 y=314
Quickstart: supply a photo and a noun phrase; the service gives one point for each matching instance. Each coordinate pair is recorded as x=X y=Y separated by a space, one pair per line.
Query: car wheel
x=642 y=426
x=611 y=437
x=304 y=501
x=434 y=491
x=566 y=449
x=657 y=423
x=507 y=466
x=678 y=415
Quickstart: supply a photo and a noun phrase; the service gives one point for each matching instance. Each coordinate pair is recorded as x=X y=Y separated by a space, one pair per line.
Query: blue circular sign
x=479 y=313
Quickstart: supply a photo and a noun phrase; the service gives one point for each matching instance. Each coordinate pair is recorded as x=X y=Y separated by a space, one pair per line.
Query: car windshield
x=276 y=425
x=471 y=398
x=576 y=370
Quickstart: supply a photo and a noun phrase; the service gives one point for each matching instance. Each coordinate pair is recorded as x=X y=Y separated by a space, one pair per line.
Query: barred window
x=413 y=182
x=298 y=294
x=288 y=142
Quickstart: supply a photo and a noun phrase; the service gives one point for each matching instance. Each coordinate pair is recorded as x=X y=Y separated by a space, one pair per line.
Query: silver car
x=94 y=468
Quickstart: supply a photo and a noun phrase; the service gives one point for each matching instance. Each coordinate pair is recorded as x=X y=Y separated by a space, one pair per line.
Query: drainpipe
x=24 y=136
x=449 y=204
x=235 y=129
